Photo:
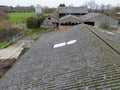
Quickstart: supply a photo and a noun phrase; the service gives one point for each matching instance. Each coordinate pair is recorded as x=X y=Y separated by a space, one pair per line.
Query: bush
x=41 y=19
x=32 y=23
x=104 y=26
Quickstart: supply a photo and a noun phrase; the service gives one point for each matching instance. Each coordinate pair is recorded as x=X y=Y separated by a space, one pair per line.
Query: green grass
x=3 y=44
x=20 y=16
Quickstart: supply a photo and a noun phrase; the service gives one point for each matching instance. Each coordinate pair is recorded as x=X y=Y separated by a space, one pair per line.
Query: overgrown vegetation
x=6 y=34
x=34 y=22
x=37 y=31
x=108 y=9
x=4 y=20
x=23 y=51
x=3 y=44
x=3 y=16
x=104 y=26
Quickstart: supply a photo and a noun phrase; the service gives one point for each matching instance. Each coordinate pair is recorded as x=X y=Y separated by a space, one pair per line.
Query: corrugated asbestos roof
x=89 y=16
x=91 y=63
x=73 y=10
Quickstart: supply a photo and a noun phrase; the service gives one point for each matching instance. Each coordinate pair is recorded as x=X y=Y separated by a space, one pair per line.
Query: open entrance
x=90 y=23
x=118 y=22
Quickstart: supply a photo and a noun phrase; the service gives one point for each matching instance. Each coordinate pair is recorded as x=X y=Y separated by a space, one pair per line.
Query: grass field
x=20 y=16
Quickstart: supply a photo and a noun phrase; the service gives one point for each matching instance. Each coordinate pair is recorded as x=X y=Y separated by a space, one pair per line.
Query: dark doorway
x=90 y=23
x=118 y=22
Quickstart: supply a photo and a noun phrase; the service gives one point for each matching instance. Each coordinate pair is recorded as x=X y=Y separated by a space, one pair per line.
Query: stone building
x=50 y=22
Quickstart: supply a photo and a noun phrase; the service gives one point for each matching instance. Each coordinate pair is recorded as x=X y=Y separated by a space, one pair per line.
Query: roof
x=69 y=16
x=118 y=13
x=89 y=16
x=53 y=17
x=73 y=10
x=88 y=63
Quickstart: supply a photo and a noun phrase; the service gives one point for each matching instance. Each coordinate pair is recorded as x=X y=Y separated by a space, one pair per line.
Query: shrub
x=104 y=26
x=32 y=23
x=41 y=19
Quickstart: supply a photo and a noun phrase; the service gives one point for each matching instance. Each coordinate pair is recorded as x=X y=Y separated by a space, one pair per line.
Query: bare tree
x=92 y=5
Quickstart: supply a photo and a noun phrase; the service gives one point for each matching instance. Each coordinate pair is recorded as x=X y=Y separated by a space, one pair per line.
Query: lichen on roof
x=87 y=64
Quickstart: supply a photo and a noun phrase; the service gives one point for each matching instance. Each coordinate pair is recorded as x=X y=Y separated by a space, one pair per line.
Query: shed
x=96 y=19
x=50 y=22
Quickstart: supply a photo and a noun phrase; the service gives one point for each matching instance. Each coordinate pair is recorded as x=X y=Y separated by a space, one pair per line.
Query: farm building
x=6 y=8
x=50 y=22
x=118 y=17
x=79 y=58
x=69 y=20
x=96 y=19
x=76 y=11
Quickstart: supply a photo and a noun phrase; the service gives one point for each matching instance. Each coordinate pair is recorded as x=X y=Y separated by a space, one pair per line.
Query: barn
x=96 y=19
x=76 y=11
x=69 y=20
x=79 y=58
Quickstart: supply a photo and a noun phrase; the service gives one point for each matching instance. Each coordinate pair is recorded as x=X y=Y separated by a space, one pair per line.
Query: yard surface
x=20 y=16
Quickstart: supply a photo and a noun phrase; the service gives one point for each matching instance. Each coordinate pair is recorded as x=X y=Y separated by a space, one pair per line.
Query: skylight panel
x=64 y=43
x=71 y=42
x=59 y=45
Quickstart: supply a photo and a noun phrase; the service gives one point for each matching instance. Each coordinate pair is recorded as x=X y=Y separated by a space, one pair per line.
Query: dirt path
x=11 y=52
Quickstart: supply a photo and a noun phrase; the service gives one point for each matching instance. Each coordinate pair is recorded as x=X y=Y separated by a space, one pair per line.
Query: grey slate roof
x=89 y=63
x=69 y=16
x=73 y=10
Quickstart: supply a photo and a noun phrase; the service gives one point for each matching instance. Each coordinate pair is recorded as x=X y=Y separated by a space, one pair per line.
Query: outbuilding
x=96 y=19
x=50 y=22
x=71 y=59
x=69 y=20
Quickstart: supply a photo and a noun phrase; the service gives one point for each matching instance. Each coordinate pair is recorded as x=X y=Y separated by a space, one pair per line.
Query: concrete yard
x=11 y=52
x=92 y=62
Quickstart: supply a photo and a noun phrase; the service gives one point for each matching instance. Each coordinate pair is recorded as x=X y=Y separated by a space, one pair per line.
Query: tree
x=92 y=5
x=62 y=5
x=4 y=20
x=3 y=16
